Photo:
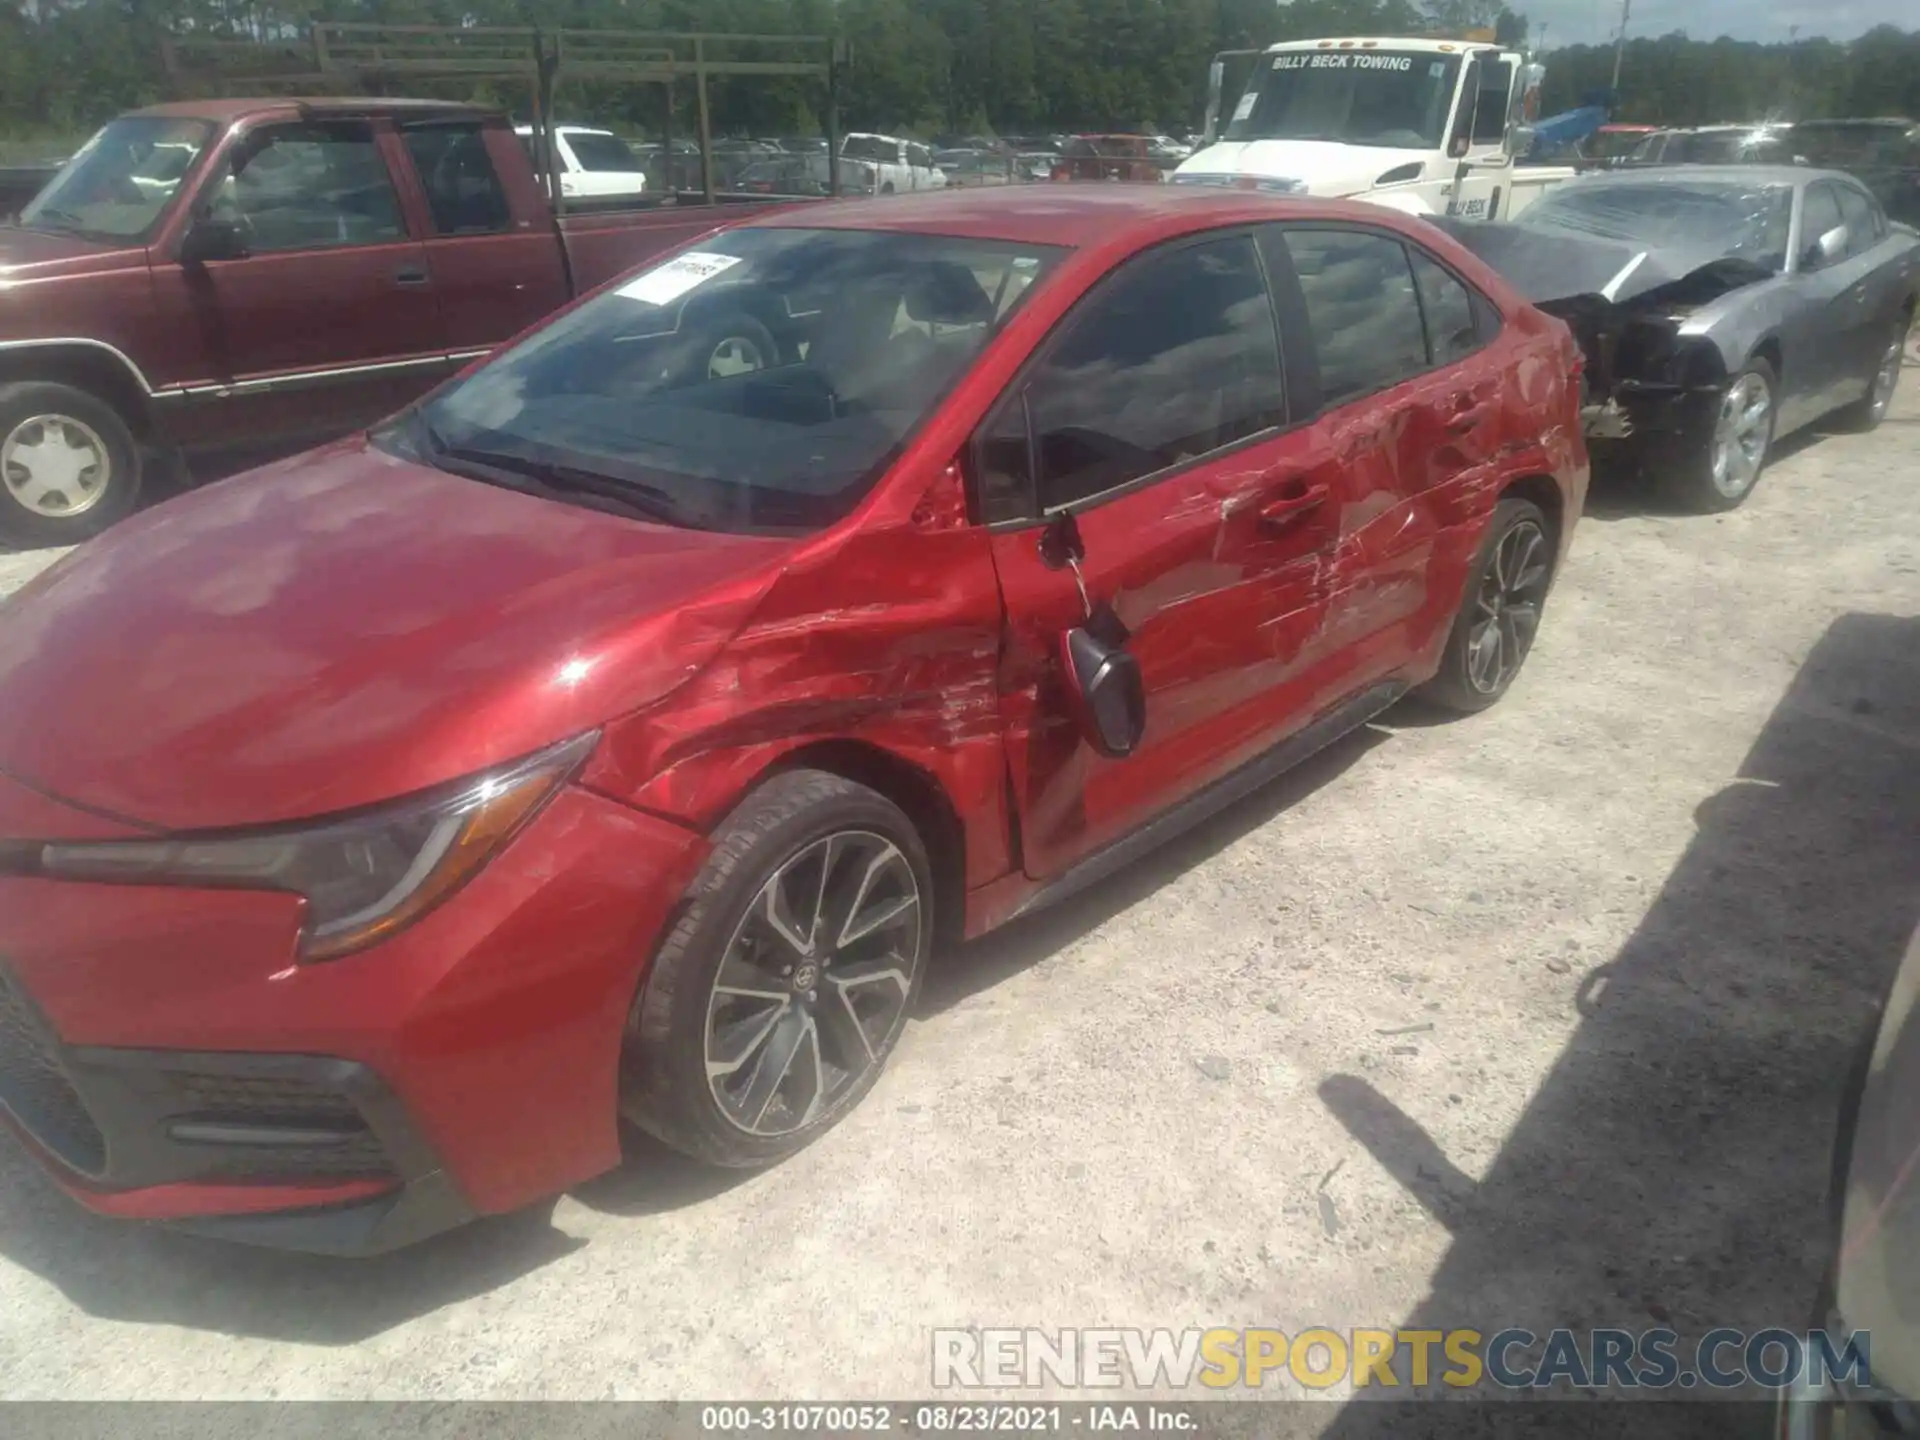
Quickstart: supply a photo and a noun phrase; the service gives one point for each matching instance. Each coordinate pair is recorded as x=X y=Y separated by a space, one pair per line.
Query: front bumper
x=167 y=1057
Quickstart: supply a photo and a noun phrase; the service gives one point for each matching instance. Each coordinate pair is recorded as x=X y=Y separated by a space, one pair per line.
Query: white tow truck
x=1429 y=126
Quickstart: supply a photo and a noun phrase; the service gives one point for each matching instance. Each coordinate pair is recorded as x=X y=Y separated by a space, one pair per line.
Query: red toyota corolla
x=619 y=730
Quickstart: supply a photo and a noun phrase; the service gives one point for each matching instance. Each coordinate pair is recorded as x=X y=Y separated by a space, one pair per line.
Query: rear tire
x=69 y=466
x=1866 y=413
x=799 y=1018
x=1500 y=613
x=1720 y=468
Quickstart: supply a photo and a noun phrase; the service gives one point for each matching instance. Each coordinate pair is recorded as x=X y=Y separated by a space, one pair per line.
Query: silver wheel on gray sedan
x=1741 y=434
x=55 y=466
x=813 y=988
x=1887 y=378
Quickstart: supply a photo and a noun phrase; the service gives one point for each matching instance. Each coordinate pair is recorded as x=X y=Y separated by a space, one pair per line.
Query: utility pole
x=1620 y=47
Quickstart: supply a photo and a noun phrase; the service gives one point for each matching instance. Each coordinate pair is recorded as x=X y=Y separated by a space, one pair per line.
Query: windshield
x=1727 y=147
x=1715 y=221
x=759 y=383
x=1374 y=97
x=599 y=152
x=120 y=181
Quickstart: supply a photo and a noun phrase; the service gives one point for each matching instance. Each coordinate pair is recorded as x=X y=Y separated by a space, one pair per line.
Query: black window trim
x=1488 y=319
x=1016 y=389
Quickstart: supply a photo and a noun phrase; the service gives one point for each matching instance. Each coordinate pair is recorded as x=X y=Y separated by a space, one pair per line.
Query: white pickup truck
x=1423 y=125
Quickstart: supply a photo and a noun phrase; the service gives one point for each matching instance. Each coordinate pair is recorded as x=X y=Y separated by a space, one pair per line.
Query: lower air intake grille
x=34 y=1086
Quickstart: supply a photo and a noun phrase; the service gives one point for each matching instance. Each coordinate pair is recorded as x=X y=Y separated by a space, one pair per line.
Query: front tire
x=1500 y=615
x=69 y=466
x=1721 y=467
x=776 y=999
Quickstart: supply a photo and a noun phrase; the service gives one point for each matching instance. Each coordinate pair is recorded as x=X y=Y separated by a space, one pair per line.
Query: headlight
x=363 y=877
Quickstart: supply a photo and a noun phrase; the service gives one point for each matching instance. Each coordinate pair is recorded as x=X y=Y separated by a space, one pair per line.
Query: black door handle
x=412 y=275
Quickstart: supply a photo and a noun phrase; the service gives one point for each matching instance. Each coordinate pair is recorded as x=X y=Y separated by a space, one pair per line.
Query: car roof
x=1072 y=216
x=224 y=110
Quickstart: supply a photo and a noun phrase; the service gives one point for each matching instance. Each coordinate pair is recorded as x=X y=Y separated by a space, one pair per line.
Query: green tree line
x=933 y=65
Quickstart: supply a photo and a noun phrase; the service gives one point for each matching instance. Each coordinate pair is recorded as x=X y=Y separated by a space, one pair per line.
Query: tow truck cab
x=1428 y=126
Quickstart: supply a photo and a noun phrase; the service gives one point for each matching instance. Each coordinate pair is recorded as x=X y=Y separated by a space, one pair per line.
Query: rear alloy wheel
x=776 y=1000
x=1727 y=462
x=1869 y=410
x=68 y=465
x=1493 y=633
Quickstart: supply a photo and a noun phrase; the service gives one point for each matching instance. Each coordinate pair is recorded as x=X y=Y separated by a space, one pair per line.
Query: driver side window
x=1821 y=215
x=311 y=187
x=1174 y=358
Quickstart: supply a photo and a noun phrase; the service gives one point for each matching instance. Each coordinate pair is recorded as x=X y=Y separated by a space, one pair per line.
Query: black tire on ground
x=49 y=498
x=1507 y=589
x=723 y=342
x=1866 y=413
x=887 y=189
x=1692 y=481
x=665 y=1087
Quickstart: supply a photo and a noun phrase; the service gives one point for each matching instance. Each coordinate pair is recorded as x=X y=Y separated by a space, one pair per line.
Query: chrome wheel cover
x=55 y=466
x=813 y=988
x=1506 y=607
x=1741 y=433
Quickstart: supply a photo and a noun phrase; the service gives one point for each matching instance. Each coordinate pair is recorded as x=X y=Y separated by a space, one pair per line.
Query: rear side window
x=1362 y=308
x=608 y=153
x=463 y=189
x=1448 y=308
x=1173 y=358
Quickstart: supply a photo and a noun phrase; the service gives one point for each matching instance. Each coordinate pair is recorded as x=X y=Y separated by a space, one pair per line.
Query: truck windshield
x=118 y=184
x=1352 y=97
x=760 y=382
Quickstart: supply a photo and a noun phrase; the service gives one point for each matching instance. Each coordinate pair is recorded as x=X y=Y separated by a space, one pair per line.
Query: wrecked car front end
x=1663 y=328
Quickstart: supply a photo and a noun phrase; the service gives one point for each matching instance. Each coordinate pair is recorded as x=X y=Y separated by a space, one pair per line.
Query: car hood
x=1326 y=168
x=345 y=627
x=46 y=255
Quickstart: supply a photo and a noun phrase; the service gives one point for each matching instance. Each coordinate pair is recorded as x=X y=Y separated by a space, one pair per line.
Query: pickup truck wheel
x=69 y=467
x=1722 y=466
x=774 y=1002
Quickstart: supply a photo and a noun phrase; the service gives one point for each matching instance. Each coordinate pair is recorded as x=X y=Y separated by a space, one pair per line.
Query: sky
x=1587 y=22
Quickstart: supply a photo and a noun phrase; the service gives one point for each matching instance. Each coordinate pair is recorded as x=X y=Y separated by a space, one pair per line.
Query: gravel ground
x=1630 y=924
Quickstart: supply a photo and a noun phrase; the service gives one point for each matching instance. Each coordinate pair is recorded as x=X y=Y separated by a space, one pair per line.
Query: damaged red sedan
x=621 y=729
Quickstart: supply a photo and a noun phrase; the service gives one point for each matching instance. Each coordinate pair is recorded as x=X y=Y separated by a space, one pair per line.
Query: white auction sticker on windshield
x=664 y=285
x=1245 y=107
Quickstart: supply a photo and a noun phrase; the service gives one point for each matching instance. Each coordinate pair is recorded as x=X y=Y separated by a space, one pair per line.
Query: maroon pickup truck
x=255 y=274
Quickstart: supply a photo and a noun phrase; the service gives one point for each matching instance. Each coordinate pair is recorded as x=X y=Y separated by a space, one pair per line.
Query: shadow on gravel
x=1672 y=1170
x=1620 y=491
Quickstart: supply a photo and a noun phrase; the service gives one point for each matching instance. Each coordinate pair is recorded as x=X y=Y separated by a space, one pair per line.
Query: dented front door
x=1159 y=422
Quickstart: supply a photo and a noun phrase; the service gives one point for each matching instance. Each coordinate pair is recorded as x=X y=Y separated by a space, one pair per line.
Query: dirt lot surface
x=1628 y=928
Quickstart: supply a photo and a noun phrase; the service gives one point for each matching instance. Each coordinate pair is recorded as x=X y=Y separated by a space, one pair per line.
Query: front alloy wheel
x=786 y=980
x=814 y=984
x=1741 y=433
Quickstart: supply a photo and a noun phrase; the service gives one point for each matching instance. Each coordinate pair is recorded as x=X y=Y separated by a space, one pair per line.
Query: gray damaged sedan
x=1720 y=308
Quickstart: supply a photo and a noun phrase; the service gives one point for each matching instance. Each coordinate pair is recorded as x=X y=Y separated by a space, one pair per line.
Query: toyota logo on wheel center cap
x=806 y=977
